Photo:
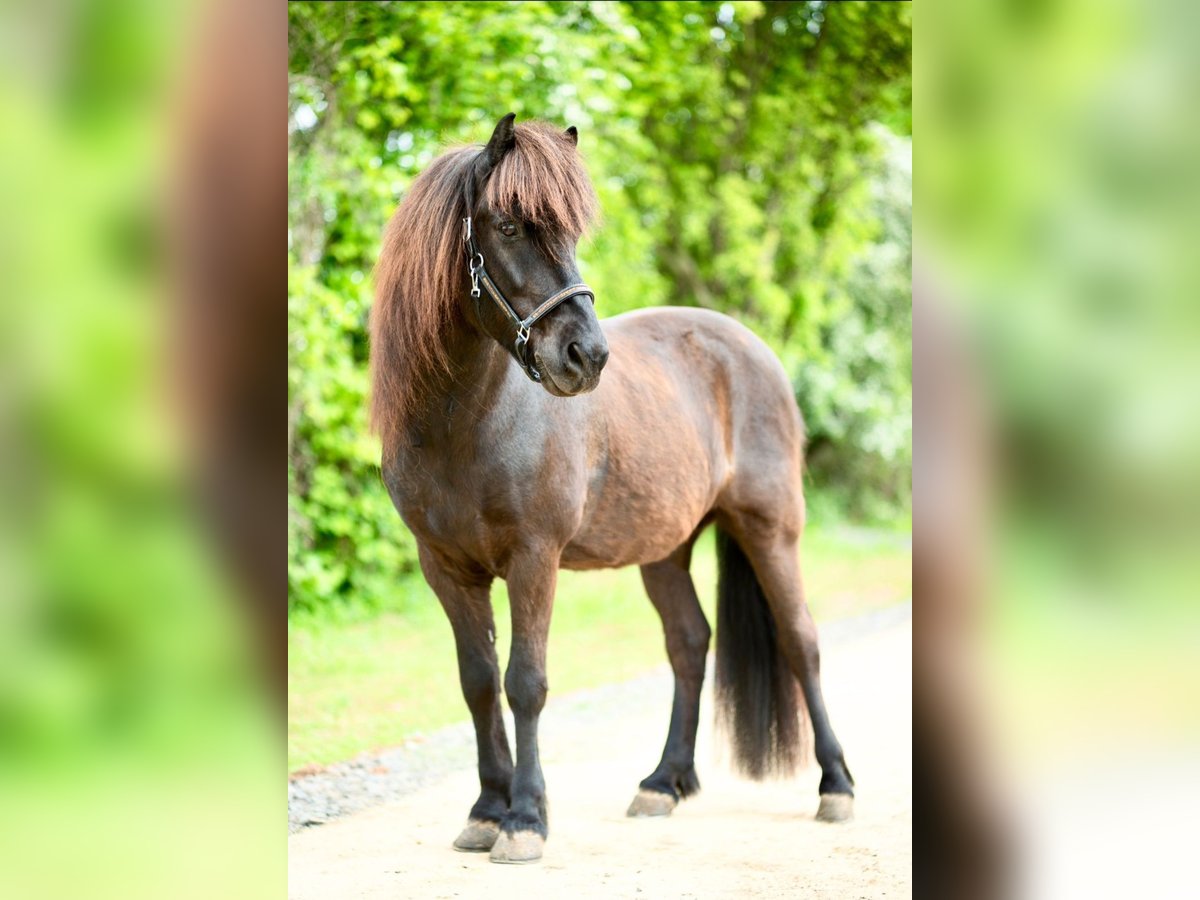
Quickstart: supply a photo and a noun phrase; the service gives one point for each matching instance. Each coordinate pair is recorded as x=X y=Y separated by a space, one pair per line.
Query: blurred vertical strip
x=1058 y=659
x=140 y=744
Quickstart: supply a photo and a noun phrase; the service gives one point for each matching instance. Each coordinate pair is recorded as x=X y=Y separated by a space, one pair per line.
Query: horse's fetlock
x=688 y=783
x=517 y=822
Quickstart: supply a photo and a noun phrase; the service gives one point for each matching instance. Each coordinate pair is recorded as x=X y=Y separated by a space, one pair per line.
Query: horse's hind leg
x=673 y=594
x=775 y=559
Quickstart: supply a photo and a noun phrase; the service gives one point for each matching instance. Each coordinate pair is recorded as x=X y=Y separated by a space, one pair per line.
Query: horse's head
x=529 y=202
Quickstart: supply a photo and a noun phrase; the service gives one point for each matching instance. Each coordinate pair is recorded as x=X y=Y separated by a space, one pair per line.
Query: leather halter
x=479 y=277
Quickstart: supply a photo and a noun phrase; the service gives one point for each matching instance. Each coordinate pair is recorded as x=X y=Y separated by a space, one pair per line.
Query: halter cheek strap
x=482 y=282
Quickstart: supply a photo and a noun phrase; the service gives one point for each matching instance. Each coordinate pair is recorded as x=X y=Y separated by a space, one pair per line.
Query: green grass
x=361 y=683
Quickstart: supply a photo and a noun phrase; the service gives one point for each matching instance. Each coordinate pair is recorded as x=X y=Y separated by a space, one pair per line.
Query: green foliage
x=748 y=158
x=342 y=531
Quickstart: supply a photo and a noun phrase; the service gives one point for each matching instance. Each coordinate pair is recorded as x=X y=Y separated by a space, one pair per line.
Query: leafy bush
x=344 y=537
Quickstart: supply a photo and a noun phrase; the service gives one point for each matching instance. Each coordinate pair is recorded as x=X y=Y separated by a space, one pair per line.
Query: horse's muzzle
x=577 y=369
x=585 y=359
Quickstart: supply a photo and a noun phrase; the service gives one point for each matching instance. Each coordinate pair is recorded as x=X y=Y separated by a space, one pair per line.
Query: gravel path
x=571 y=726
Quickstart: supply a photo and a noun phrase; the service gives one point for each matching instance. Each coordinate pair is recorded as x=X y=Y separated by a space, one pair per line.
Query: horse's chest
x=441 y=502
x=463 y=508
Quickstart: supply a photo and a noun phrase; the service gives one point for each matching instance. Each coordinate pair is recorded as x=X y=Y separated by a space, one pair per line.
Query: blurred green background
x=752 y=158
x=133 y=719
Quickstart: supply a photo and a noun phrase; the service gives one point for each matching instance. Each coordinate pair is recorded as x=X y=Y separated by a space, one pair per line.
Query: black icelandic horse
x=515 y=471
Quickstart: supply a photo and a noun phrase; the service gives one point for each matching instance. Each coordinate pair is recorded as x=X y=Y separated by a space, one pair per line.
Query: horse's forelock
x=543 y=181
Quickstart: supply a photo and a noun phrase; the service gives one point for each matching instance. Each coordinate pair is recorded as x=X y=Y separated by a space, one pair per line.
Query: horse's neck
x=461 y=403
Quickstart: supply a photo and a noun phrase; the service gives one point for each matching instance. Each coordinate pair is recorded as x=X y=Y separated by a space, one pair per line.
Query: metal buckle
x=467 y=230
x=519 y=345
x=475 y=270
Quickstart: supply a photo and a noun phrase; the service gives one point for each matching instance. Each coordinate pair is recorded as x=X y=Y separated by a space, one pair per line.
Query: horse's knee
x=526 y=687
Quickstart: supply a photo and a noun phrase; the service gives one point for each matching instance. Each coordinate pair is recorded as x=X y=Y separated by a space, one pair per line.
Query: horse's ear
x=504 y=138
x=572 y=134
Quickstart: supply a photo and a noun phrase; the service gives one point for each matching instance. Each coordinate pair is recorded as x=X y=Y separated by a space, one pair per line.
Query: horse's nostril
x=575 y=356
x=587 y=361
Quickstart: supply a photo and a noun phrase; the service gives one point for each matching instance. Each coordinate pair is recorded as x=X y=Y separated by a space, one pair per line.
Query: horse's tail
x=759 y=705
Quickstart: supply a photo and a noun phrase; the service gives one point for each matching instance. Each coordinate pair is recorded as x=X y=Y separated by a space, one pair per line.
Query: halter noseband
x=479 y=276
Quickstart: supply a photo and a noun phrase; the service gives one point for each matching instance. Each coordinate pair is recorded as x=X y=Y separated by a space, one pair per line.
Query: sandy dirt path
x=735 y=839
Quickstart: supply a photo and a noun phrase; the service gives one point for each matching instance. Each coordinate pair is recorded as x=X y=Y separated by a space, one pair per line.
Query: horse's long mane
x=421 y=273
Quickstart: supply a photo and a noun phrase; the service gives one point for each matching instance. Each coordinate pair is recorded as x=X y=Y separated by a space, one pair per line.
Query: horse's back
x=714 y=357
x=699 y=339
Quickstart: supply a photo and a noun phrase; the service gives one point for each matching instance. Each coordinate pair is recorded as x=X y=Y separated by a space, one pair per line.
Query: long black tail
x=759 y=704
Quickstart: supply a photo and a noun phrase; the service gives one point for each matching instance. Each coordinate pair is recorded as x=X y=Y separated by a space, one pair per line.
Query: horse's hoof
x=651 y=803
x=479 y=835
x=835 y=808
x=518 y=847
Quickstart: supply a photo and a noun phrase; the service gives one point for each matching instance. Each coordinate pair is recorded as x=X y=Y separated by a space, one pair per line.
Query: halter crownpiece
x=479 y=276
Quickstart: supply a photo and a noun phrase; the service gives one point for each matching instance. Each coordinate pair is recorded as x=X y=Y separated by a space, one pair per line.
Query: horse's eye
x=509 y=229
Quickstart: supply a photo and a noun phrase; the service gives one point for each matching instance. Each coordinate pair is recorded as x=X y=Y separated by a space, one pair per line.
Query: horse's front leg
x=468 y=605
x=531 y=580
